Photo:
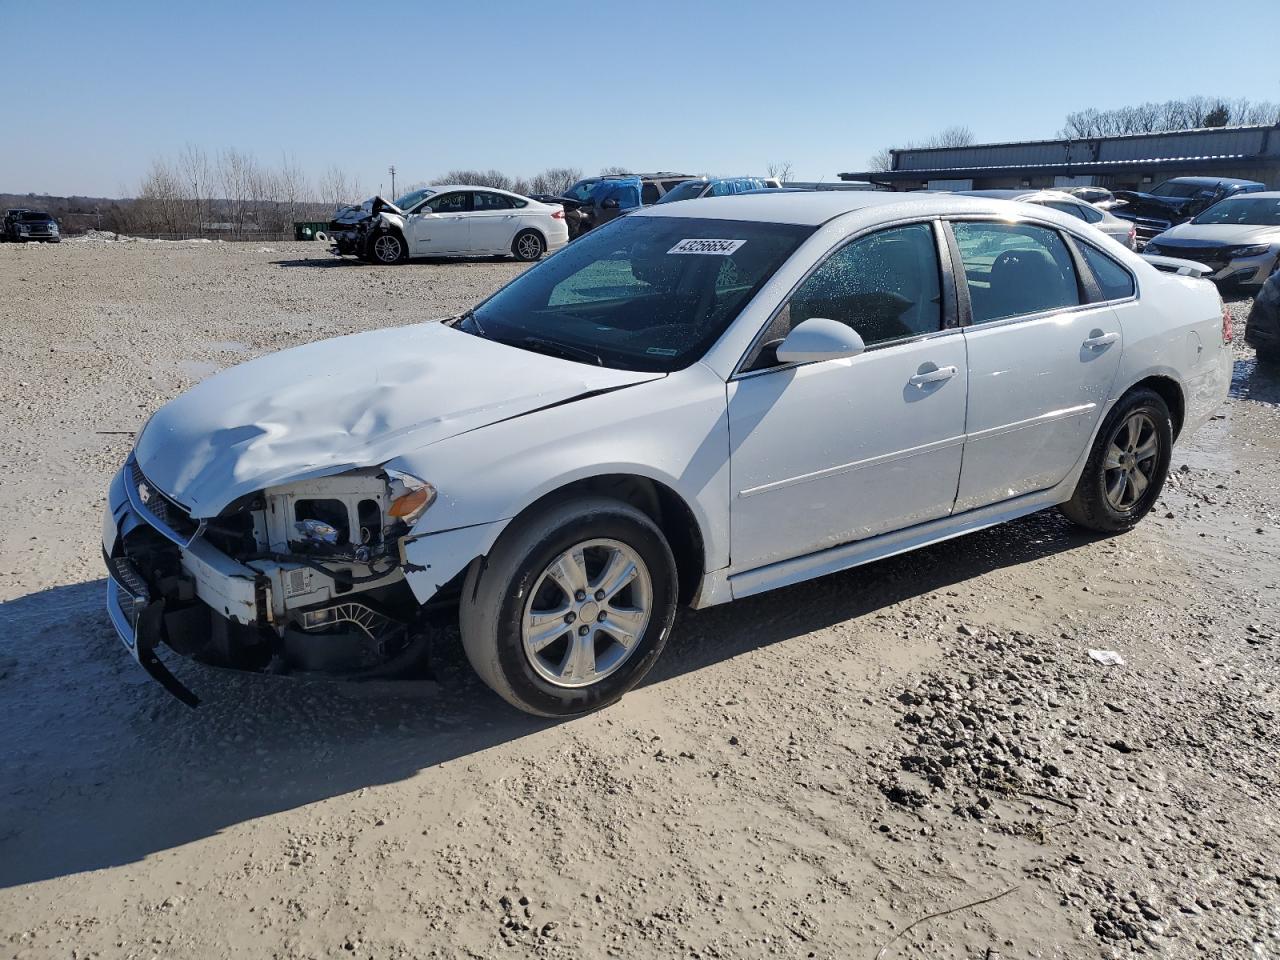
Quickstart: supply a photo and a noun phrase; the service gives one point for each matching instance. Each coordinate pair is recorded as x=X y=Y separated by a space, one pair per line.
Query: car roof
x=1232 y=180
x=814 y=208
x=1256 y=195
x=998 y=194
x=443 y=187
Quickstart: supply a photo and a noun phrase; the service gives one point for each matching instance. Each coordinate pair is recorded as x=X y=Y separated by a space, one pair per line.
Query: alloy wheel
x=529 y=246
x=586 y=613
x=1131 y=461
x=387 y=248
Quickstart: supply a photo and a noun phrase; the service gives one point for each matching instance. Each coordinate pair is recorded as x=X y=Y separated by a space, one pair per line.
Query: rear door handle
x=1102 y=340
x=938 y=375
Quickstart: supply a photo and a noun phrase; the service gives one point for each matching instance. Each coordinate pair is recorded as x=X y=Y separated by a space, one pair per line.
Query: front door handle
x=1098 y=341
x=936 y=375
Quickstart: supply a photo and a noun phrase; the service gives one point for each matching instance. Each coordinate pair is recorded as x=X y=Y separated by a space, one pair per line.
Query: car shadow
x=103 y=768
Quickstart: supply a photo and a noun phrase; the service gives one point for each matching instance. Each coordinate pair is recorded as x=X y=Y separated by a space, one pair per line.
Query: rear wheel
x=1127 y=467
x=571 y=608
x=528 y=246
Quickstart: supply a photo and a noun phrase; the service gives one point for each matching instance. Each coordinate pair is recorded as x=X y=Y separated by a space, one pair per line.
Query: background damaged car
x=449 y=221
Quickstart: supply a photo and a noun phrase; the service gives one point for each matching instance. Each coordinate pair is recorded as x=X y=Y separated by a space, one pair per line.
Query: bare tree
x=159 y=204
x=781 y=170
x=614 y=171
x=1185 y=114
x=293 y=189
x=881 y=160
x=956 y=136
x=555 y=180
x=476 y=178
x=197 y=177
x=337 y=188
x=236 y=173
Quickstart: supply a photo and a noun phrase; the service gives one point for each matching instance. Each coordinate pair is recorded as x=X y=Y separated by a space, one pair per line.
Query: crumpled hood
x=1150 y=201
x=1228 y=234
x=355 y=401
x=355 y=214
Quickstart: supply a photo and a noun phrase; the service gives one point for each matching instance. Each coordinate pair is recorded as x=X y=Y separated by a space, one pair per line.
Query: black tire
x=528 y=246
x=499 y=588
x=388 y=247
x=1095 y=504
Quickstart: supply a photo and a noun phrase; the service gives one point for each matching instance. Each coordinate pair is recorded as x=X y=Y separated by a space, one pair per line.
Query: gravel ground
x=808 y=772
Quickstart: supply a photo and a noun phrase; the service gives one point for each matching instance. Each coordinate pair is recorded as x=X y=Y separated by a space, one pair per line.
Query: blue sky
x=90 y=92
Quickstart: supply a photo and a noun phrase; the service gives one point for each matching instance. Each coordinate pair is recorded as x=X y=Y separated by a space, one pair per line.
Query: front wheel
x=571 y=608
x=1127 y=467
x=388 y=248
x=528 y=246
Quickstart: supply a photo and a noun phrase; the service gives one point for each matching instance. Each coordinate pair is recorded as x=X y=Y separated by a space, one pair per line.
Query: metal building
x=1131 y=162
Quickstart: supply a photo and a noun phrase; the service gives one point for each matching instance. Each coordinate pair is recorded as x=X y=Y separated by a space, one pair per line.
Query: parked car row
x=597 y=200
x=23 y=226
x=463 y=220
x=1231 y=227
x=1177 y=200
x=1238 y=238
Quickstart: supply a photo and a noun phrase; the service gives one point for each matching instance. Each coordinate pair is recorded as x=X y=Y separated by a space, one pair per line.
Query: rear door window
x=1115 y=282
x=649 y=193
x=1063 y=206
x=1015 y=269
x=491 y=201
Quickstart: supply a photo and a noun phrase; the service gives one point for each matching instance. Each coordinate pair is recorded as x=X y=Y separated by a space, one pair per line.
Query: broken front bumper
x=135 y=610
x=170 y=586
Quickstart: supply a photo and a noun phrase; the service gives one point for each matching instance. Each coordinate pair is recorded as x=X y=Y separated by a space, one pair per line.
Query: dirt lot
x=808 y=772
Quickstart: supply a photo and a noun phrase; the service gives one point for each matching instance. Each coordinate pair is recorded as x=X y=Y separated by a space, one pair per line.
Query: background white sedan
x=459 y=220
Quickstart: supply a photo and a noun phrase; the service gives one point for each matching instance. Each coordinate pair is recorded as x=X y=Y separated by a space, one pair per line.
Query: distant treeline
x=232 y=194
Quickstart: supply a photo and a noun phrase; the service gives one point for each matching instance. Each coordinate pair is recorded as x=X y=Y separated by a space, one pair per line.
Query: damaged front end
x=352 y=227
x=304 y=578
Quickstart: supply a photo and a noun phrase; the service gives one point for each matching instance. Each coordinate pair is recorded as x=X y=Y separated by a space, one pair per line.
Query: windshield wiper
x=562 y=350
x=462 y=318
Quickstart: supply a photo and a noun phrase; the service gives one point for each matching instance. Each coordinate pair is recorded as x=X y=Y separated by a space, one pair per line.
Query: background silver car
x=1119 y=230
x=1238 y=238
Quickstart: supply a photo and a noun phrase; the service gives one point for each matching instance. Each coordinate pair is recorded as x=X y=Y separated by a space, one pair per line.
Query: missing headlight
x=321 y=522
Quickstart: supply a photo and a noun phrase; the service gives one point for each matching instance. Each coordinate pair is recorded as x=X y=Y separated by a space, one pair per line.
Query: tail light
x=557 y=213
x=1227 y=332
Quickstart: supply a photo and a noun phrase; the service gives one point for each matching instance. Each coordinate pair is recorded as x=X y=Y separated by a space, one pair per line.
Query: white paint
x=789 y=473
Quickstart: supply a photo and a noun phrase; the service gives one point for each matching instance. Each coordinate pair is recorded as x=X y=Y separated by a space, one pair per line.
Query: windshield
x=35 y=215
x=689 y=190
x=1171 y=188
x=640 y=293
x=414 y=198
x=1250 y=211
x=581 y=190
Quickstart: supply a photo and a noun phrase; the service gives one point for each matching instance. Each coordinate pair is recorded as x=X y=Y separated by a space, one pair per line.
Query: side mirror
x=610 y=204
x=819 y=339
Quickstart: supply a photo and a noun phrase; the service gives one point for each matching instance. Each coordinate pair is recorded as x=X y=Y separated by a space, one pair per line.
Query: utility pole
x=392 y=170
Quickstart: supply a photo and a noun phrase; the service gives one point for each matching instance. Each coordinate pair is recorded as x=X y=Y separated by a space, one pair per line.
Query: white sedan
x=449 y=221
x=693 y=404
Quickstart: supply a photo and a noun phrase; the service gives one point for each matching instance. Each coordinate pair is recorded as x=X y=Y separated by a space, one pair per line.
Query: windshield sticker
x=661 y=351
x=715 y=247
